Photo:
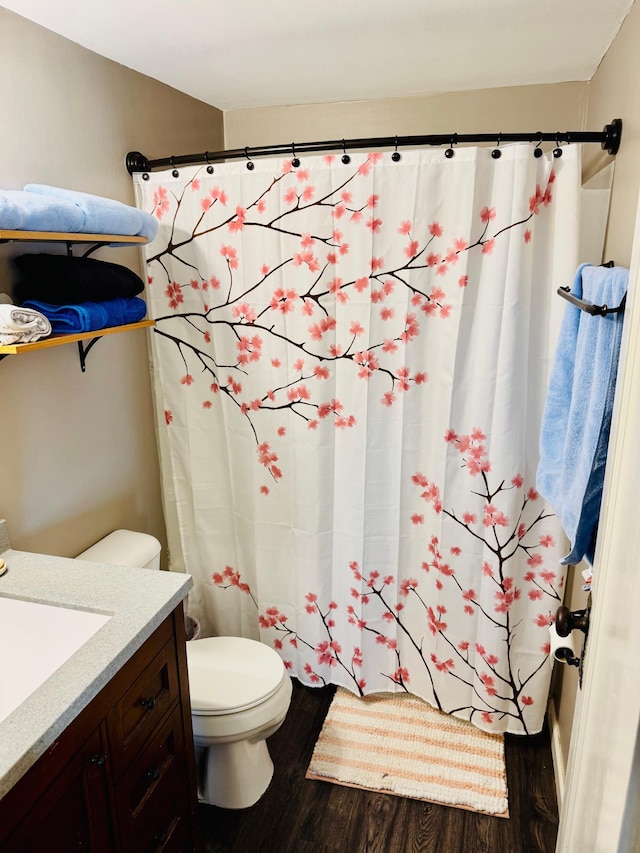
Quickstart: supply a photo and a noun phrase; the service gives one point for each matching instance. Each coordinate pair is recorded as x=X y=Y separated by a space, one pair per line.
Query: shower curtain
x=350 y=363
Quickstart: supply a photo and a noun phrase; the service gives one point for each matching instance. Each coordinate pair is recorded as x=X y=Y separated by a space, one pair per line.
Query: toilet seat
x=231 y=674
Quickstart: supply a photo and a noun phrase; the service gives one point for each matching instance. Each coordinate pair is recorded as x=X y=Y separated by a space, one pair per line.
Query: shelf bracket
x=83 y=351
x=85 y=254
x=92 y=249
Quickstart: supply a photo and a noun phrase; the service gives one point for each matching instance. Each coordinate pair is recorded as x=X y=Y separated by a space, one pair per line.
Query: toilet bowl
x=240 y=693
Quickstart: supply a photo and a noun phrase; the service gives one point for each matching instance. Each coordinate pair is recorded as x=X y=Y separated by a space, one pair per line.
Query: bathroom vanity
x=100 y=756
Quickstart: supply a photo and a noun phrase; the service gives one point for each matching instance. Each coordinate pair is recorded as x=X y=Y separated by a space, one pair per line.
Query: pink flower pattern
x=498 y=688
x=230 y=326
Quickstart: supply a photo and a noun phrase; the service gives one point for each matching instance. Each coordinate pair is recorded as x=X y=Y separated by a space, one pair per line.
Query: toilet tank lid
x=123 y=548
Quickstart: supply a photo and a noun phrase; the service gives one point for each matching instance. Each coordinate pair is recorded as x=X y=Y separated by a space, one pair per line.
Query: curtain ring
x=537 y=151
x=250 y=163
x=345 y=157
x=175 y=173
x=209 y=166
x=449 y=153
x=497 y=153
x=396 y=154
x=557 y=151
x=296 y=160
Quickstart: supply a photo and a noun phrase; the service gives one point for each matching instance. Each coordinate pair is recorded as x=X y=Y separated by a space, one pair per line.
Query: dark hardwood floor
x=297 y=815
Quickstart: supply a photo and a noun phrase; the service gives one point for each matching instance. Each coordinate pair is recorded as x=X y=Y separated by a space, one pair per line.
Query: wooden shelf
x=60 y=237
x=60 y=340
x=78 y=338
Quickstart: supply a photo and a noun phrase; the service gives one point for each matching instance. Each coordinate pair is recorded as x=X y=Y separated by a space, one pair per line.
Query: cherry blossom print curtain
x=350 y=364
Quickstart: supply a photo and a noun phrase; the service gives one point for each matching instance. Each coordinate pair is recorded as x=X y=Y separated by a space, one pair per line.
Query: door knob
x=568 y=621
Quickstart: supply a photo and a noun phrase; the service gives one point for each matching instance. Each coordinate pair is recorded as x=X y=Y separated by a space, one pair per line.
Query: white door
x=601 y=806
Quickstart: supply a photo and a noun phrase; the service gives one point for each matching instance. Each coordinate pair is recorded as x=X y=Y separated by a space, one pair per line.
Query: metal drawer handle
x=153 y=773
x=99 y=759
x=160 y=838
x=148 y=703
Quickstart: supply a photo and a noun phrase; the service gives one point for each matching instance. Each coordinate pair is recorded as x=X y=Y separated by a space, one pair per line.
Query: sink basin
x=36 y=640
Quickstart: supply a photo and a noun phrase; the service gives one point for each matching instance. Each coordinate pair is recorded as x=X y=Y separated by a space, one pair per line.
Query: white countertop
x=137 y=600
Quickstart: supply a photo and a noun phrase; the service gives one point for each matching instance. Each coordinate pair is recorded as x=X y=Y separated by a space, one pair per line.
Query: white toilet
x=240 y=694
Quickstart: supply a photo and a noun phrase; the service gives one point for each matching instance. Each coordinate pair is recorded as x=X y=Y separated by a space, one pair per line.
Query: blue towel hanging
x=576 y=423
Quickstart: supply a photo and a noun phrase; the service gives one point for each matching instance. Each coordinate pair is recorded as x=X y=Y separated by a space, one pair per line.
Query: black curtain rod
x=609 y=138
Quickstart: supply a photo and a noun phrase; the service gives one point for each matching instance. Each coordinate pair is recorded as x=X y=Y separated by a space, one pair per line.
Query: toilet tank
x=125 y=548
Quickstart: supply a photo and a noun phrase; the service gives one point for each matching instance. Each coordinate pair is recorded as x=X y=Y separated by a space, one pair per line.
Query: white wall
x=78 y=451
x=614 y=92
x=517 y=108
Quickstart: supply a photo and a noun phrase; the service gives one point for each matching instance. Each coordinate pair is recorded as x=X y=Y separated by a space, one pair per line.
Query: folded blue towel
x=91 y=316
x=577 y=419
x=22 y=211
x=102 y=215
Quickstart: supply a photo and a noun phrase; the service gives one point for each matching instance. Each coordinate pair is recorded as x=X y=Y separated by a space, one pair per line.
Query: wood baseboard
x=559 y=770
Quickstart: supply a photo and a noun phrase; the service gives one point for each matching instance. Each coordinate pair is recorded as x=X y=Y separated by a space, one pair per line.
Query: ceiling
x=237 y=54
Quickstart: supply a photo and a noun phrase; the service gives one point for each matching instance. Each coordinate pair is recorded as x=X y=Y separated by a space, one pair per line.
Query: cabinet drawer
x=156 y=775
x=142 y=708
x=177 y=840
x=168 y=830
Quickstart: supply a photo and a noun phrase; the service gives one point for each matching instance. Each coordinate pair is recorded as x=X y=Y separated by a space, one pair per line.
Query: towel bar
x=589 y=307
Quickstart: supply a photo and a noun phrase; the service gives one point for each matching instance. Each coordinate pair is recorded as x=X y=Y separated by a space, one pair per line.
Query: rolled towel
x=102 y=215
x=22 y=211
x=64 y=280
x=91 y=316
x=22 y=325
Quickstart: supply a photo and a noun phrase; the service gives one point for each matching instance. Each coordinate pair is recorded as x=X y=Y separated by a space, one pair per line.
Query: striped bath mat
x=397 y=744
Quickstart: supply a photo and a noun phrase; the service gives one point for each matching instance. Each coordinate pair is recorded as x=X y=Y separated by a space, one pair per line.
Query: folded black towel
x=65 y=279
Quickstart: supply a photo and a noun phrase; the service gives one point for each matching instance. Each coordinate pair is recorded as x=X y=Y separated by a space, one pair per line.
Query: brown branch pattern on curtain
x=225 y=315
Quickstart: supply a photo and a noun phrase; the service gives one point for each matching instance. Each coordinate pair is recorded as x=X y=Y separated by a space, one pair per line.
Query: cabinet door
x=74 y=812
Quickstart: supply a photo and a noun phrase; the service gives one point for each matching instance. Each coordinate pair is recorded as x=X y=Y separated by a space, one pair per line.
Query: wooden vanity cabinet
x=121 y=777
x=72 y=811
